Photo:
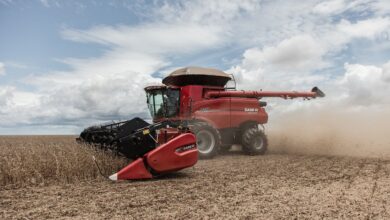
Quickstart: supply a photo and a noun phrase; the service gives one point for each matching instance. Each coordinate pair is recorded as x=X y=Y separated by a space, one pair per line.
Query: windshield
x=163 y=103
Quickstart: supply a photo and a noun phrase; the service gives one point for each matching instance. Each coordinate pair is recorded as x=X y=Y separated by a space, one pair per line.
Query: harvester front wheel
x=208 y=139
x=254 y=141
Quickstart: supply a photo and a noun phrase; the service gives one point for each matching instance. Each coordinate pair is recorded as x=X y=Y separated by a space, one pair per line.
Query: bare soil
x=230 y=186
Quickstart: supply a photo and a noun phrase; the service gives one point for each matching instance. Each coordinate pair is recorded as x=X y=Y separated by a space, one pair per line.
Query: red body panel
x=176 y=154
x=221 y=112
x=214 y=111
x=246 y=109
x=189 y=95
x=135 y=170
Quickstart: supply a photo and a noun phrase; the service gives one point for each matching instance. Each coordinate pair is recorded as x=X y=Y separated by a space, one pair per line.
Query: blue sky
x=67 y=64
x=30 y=33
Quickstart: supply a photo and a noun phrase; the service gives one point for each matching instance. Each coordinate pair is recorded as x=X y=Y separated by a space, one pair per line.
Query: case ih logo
x=185 y=148
x=251 y=109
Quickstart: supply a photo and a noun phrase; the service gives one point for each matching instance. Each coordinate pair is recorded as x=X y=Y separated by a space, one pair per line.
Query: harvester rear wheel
x=254 y=141
x=208 y=139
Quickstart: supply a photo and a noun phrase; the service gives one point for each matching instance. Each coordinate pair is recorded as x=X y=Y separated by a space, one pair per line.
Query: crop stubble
x=229 y=186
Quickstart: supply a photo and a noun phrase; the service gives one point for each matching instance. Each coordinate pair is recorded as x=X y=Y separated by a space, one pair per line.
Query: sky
x=65 y=65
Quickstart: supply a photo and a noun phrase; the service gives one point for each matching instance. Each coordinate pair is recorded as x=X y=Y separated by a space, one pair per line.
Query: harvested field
x=229 y=186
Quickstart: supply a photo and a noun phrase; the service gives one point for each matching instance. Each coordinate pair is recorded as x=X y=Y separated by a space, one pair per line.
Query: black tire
x=208 y=139
x=254 y=141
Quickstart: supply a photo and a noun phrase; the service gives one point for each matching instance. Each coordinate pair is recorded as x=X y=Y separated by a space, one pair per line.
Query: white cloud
x=368 y=28
x=386 y=72
x=206 y=12
x=358 y=91
x=287 y=65
x=19 y=107
x=111 y=86
x=298 y=55
x=330 y=7
x=334 y=7
x=365 y=85
x=294 y=54
x=2 y=69
x=382 y=7
x=98 y=89
x=294 y=60
x=157 y=38
x=6 y=94
x=286 y=45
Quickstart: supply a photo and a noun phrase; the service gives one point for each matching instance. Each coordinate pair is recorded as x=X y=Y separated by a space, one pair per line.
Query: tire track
x=350 y=179
x=379 y=167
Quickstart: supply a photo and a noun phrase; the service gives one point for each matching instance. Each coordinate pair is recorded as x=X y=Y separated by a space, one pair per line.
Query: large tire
x=254 y=141
x=208 y=139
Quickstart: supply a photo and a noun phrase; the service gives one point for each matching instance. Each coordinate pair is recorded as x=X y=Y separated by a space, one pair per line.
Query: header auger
x=194 y=113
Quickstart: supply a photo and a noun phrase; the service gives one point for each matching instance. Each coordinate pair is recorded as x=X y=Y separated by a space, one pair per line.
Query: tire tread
x=200 y=125
x=246 y=138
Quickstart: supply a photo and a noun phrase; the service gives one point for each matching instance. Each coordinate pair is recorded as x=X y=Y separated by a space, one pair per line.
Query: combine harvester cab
x=191 y=102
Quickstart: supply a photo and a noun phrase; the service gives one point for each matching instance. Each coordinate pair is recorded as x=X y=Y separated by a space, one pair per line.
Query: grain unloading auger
x=194 y=113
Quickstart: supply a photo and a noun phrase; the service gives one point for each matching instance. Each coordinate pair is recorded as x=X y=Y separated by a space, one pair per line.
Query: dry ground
x=231 y=186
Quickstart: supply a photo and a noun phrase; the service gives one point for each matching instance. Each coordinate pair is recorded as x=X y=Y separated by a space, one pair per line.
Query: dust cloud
x=345 y=133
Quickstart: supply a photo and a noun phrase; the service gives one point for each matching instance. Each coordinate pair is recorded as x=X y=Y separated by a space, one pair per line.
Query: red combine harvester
x=194 y=113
